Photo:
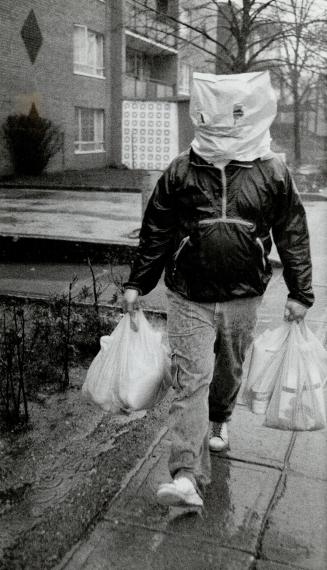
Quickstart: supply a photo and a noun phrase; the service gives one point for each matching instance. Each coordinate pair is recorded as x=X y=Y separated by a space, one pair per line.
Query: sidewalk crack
x=252 y=462
x=276 y=497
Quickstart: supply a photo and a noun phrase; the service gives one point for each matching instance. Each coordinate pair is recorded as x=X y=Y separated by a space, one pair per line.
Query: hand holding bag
x=132 y=370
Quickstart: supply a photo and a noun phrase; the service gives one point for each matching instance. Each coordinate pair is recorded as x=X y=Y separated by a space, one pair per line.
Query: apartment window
x=162 y=6
x=184 y=78
x=89 y=130
x=88 y=52
x=138 y=64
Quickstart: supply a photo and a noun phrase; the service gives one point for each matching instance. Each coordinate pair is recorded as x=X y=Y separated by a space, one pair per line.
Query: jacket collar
x=198 y=161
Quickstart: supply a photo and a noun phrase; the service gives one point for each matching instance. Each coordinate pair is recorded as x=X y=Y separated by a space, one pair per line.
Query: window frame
x=161 y=15
x=84 y=63
x=181 y=85
x=140 y=62
x=78 y=144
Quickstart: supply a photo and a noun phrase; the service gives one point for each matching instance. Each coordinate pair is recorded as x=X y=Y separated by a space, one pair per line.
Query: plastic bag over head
x=231 y=115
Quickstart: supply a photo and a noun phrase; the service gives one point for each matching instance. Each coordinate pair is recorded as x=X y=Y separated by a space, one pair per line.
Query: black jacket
x=210 y=231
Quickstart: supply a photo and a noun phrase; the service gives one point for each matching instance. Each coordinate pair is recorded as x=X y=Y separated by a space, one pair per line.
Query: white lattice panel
x=150 y=134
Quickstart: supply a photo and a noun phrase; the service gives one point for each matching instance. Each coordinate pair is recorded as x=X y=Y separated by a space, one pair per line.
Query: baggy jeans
x=208 y=342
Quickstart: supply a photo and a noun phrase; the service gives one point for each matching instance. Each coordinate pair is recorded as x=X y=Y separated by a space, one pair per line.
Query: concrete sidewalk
x=65 y=218
x=104 y=178
x=266 y=508
x=85 y=216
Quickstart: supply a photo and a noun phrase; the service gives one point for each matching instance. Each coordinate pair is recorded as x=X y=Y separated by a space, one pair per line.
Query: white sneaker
x=219 y=440
x=181 y=492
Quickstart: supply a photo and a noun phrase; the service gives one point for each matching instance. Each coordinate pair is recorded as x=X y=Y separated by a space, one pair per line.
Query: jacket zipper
x=259 y=242
x=223 y=218
x=178 y=251
x=224 y=195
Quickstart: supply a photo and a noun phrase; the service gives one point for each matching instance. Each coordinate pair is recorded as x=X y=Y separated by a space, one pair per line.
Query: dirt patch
x=57 y=476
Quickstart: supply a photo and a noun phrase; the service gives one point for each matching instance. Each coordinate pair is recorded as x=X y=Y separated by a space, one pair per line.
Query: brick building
x=105 y=71
x=42 y=62
x=155 y=123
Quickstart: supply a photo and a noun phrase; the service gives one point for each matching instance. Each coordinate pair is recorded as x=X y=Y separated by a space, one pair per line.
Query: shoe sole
x=171 y=499
x=227 y=448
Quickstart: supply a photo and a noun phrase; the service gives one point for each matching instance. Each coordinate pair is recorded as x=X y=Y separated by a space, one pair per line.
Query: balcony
x=143 y=23
x=150 y=89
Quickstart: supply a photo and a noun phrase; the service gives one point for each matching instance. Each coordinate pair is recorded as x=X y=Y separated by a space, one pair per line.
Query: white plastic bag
x=132 y=369
x=297 y=401
x=266 y=358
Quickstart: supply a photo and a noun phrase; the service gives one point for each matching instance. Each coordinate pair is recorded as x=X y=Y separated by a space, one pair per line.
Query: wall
x=150 y=134
x=50 y=82
x=185 y=127
x=115 y=17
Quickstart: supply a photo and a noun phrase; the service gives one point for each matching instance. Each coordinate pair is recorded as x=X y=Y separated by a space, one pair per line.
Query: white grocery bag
x=266 y=358
x=297 y=401
x=132 y=370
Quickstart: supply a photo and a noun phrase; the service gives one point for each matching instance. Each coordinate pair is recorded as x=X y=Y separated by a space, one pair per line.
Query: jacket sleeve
x=157 y=232
x=291 y=236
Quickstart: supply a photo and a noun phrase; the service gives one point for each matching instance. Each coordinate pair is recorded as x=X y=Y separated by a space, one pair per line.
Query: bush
x=31 y=141
x=39 y=343
x=36 y=348
x=13 y=400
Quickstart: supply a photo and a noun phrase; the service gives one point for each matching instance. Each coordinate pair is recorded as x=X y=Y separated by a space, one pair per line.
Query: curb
x=8 y=186
x=44 y=249
x=305 y=196
x=26 y=249
x=47 y=537
x=313 y=196
x=124 y=484
x=29 y=298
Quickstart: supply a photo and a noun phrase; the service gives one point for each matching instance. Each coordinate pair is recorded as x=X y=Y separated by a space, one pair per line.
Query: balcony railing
x=146 y=88
x=144 y=22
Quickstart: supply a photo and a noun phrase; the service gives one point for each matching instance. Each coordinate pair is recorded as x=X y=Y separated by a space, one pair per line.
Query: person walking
x=208 y=225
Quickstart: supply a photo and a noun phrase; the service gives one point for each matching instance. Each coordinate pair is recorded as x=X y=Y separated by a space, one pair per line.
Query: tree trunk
x=241 y=63
x=297 y=125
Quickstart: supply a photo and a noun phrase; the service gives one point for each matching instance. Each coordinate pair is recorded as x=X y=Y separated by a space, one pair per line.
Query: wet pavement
x=262 y=510
x=266 y=507
x=102 y=217
x=85 y=216
x=43 y=280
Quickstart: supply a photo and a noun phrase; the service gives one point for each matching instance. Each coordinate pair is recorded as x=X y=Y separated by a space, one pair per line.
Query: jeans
x=208 y=343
